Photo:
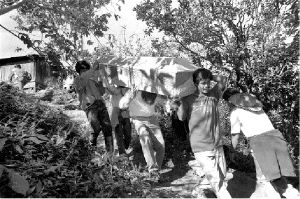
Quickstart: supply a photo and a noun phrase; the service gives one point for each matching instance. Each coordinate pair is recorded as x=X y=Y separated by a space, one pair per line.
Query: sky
x=127 y=20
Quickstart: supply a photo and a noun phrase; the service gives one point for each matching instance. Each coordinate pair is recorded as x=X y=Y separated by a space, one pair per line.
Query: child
x=200 y=108
x=141 y=106
x=268 y=145
x=91 y=101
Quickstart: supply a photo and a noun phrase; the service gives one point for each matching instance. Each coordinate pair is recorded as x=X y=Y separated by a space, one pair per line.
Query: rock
x=45 y=95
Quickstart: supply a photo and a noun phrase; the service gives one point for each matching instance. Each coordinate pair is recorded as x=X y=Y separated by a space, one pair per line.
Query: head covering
x=246 y=101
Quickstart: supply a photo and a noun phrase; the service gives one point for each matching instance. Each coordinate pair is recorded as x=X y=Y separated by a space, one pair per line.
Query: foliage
x=259 y=40
x=44 y=155
x=62 y=25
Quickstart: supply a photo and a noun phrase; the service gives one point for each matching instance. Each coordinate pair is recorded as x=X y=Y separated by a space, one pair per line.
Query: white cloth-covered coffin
x=162 y=75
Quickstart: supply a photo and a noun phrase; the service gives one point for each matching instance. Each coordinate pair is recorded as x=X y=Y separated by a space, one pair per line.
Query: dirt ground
x=179 y=180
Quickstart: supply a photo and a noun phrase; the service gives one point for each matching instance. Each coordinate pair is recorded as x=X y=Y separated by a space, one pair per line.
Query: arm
x=182 y=112
x=235 y=140
x=112 y=90
x=103 y=76
x=180 y=107
x=126 y=99
x=79 y=94
x=235 y=128
x=221 y=81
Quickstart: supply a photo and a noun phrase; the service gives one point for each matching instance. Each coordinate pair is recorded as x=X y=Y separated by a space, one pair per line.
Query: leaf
x=35 y=140
x=38 y=187
x=42 y=137
x=2 y=143
x=1 y=170
x=18 y=183
x=18 y=149
x=52 y=169
x=89 y=42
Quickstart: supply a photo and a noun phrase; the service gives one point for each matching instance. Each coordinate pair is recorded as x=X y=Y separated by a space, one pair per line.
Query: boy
x=141 y=106
x=268 y=145
x=200 y=108
x=91 y=101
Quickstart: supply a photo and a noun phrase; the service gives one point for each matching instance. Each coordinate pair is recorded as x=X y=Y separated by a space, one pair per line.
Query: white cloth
x=250 y=123
x=139 y=108
x=213 y=164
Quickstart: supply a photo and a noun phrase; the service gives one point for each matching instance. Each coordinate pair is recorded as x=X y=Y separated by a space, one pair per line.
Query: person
x=141 y=106
x=90 y=92
x=200 y=109
x=120 y=119
x=19 y=77
x=180 y=127
x=268 y=144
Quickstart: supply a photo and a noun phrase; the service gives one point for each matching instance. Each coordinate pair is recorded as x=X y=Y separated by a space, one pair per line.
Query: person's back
x=92 y=102
x=88 y=88
x=251 y=123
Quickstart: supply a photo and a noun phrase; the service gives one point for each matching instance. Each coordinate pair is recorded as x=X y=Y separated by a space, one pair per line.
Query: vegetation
x=43 y=154
x=257 y=40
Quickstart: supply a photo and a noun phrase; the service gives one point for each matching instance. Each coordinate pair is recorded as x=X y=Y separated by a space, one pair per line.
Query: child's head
x=201 y=79
x=149 y=98
x=18 y=66
x=82 y=66
x=229 y=92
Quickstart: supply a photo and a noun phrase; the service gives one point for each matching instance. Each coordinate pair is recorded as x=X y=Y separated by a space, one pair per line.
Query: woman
x=269 y=146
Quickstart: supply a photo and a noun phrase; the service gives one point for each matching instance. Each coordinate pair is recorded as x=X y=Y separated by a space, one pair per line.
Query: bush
x=43 y=154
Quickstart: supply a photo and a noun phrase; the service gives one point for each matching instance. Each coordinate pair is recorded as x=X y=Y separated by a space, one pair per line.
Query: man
x=141 y=105
x=120 y=118
x=200 y=109
x=89 y=89
x=19 y=77
x=269 y=146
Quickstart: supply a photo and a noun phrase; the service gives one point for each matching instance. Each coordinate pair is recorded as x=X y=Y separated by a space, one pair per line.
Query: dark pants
x=123 y=133
x=180 y=127
x=99 y=119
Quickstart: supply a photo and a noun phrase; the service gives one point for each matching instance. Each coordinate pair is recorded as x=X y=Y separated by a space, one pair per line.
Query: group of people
x=19 y=77
x=201 y=111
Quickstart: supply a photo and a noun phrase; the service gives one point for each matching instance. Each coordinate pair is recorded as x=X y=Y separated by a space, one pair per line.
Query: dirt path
x=179 y=179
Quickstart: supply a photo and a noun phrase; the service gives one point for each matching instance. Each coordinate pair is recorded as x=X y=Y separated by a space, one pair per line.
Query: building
x=34 y=64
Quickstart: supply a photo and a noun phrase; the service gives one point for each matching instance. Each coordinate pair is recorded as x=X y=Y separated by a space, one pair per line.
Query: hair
x=148 y=97
x=229 y=92
x=18 y=66
x=82 y=65
x=205 y=74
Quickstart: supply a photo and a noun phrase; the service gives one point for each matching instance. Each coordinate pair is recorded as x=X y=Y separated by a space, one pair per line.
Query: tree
x=63 y=25
x=7 y=6
x=223 y=30
x=258 y=39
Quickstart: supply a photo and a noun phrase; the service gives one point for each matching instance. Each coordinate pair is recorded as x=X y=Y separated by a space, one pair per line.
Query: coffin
x=162 y=75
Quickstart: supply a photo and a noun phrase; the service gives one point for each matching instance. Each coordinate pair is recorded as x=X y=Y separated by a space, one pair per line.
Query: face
x=204 y=86
x=83 y=70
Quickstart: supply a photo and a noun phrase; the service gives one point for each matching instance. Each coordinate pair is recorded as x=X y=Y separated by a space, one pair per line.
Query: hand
x=133 y=90
x=174 y=103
